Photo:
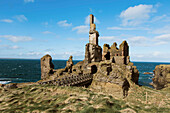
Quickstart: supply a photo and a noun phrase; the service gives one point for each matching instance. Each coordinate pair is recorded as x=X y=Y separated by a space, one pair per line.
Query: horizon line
x=74 y=60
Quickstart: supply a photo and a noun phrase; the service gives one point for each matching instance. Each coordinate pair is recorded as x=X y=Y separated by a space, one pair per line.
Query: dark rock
x=11 y=86
x=161 y=76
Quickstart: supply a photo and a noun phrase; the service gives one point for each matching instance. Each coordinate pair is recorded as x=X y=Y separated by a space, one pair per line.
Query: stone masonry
x=93 y=51
x=46 y=66
x=115 y=55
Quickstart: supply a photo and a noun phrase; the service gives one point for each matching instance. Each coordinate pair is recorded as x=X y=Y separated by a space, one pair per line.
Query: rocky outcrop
x=161 y=76
x=46 y=66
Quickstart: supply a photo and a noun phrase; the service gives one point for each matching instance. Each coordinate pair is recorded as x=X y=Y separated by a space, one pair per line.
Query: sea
x=29 y=70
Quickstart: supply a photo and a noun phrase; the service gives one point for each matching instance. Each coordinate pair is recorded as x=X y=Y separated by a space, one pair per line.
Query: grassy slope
x=48 y=98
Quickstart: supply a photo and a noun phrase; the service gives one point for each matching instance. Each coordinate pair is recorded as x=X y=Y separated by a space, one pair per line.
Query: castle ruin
x=111 y=66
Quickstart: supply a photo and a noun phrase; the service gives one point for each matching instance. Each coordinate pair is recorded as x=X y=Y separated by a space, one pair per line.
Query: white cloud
x=81 y=39
x=161 y=43
x=45 y=23
x=136 y=15
x=138 y=41
x=27 y=1
x=47 y=32
x=7 y=20
x=126 y=28
x=108 y=38
x=9 y=47
x=14 y=47
x=165 y=29
x=156 y=53
x=81 y=29
x=162 y=39
x=21 y=18
x=158 y=18
x=64 y=23
x=16 y=38
x=31 y=53
x=87 y=20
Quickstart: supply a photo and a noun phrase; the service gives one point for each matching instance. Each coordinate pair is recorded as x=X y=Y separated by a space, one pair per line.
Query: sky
x=30 y=29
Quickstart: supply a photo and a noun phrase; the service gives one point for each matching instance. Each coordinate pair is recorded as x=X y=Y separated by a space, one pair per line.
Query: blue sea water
x=23 y=70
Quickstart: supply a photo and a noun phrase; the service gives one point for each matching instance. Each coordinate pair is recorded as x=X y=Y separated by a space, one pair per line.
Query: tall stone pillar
x=93 y=51
x=46 y=66
x=93 y=34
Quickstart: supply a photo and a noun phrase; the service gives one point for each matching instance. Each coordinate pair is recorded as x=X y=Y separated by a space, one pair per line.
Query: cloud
x=138 y=41
x=7 y=20
x=81 y=29
x=15 y=47
x=16 y=38
x=27 y=1
x=21 y=18
x=87 y=20
x=162 y=39
x=158 y=18
x=82 y=39
x=165 y=29
x=108 y=38
x=8 y=47
x=45 y=23
x=126 y=28
x=47 y=32
x=136 y=15
x=31 y=53
x=156 y=53
x=64 y=23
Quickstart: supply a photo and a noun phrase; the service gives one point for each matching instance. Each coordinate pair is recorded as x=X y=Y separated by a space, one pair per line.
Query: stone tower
x=93 y=34
x=93 y=51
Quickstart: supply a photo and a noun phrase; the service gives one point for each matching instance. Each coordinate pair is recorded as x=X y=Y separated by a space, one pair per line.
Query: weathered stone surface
x=93 y=34
x=161 y=76
x=69 y=64
x=46 y=66
x=119 y=56
x=106 y=52
x=93 y=53
x=121 y=75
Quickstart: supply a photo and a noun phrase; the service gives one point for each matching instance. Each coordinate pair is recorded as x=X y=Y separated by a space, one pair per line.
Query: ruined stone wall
x=106 y=52
x=118 y=56
x=46 y=66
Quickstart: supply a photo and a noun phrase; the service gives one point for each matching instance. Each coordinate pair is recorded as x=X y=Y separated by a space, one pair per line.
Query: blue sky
x=33 y=28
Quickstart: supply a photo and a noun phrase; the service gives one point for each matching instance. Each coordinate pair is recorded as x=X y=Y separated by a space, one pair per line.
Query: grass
x=51 y=99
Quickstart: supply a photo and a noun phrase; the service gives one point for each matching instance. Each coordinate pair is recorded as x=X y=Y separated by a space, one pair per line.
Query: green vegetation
x=51 y=99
